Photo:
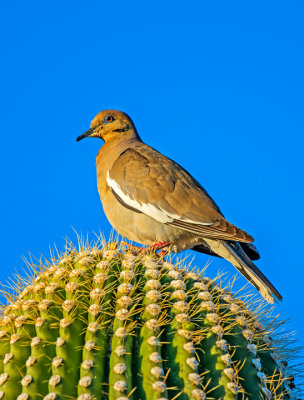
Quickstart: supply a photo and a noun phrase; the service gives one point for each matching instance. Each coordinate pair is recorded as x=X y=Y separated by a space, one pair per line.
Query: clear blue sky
x=215 y=85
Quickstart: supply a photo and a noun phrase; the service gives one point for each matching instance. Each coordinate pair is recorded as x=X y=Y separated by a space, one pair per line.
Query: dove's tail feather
x=249 y=248
x=238 y=258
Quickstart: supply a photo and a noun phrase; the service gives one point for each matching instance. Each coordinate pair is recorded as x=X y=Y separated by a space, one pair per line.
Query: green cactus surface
x=103 y=323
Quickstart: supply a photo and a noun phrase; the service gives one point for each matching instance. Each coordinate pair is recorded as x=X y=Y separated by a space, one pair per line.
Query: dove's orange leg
x=159 y=245
x=151 y=249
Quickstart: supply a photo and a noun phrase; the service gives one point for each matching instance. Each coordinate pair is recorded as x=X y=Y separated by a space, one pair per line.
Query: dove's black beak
x=87 y=133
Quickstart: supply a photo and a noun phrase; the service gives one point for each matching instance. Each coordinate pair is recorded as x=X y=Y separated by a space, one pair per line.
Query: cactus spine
x=105 y=324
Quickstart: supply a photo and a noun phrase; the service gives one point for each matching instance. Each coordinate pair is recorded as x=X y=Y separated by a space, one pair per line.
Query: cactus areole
x=105 y=324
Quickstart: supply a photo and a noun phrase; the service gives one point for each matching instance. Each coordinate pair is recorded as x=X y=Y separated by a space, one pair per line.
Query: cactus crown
x=100 y=323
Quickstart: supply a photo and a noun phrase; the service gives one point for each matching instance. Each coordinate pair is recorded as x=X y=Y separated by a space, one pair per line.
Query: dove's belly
x=143 y=229
x=136 y=226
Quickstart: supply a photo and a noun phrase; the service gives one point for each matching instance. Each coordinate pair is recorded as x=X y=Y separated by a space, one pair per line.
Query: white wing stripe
x=149 y=209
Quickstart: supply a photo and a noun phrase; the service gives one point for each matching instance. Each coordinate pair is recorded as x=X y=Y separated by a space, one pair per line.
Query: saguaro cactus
x=105 y=324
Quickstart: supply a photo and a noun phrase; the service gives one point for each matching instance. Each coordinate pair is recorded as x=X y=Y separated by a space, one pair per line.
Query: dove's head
x=111 y=125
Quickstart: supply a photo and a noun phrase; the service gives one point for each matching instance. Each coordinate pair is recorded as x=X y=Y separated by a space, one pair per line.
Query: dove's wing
x=147 y=182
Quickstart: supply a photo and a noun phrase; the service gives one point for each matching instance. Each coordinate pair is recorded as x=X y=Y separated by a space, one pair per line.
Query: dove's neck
x=120 y=135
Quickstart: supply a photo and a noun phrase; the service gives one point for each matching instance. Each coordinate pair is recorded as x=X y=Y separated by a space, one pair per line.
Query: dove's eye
x=108 y=119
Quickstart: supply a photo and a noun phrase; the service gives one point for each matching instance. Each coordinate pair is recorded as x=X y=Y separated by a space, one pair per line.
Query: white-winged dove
x=152 y=200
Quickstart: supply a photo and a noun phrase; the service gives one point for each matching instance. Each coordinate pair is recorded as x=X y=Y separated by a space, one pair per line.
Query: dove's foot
x=149 y=250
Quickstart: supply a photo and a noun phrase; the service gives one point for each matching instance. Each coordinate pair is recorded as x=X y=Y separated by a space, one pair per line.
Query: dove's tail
x=234 y=253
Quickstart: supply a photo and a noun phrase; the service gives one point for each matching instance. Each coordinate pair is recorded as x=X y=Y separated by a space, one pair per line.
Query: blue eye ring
x=109 y=118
